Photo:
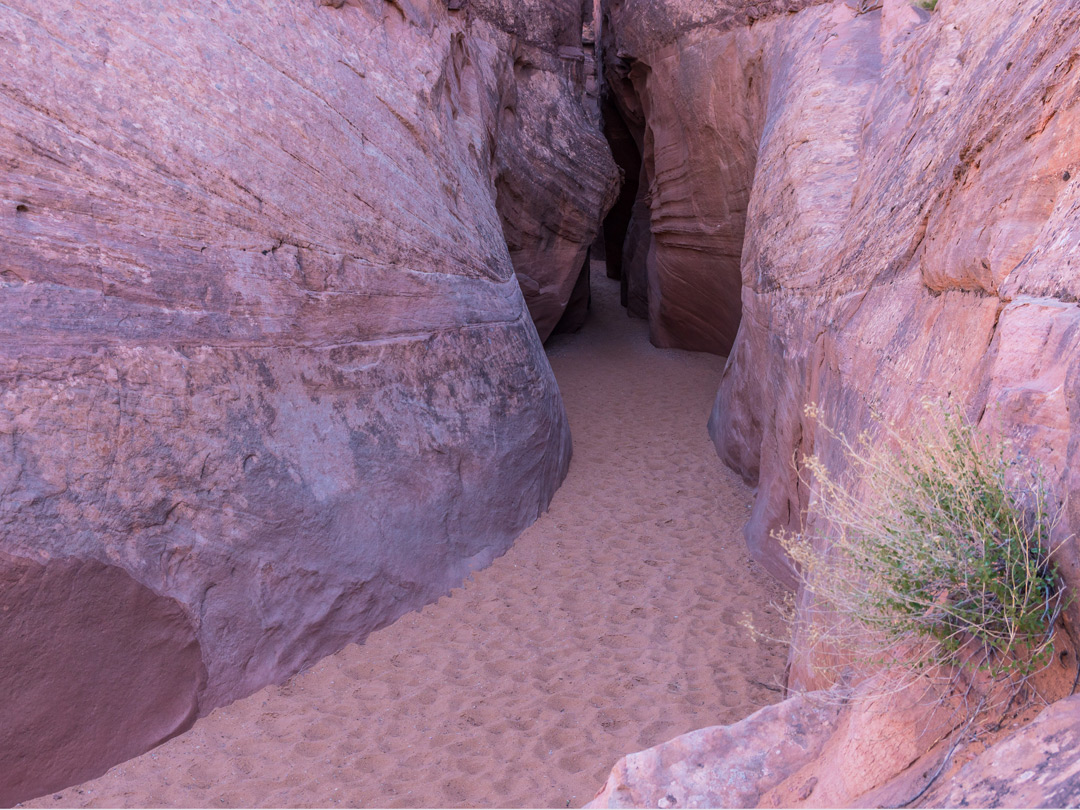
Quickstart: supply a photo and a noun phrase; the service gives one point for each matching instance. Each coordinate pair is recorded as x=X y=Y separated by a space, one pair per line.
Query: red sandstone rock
x=553 y=175
x=267 y=380
x=849 y=143
x=724 y=766
x=909 y=231
x=1036 y=766
x=683 y=75
x=927 y=255
x=820 y=750
x=900 y=194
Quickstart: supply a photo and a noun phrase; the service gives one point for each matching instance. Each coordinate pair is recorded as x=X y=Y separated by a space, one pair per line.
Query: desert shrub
x=934 y=554
x=929 y=5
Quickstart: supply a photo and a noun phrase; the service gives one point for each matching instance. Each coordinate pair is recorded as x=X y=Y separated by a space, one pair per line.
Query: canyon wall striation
x=864 y=204
x=267 y=377
x=879 y=201
x=687 y=81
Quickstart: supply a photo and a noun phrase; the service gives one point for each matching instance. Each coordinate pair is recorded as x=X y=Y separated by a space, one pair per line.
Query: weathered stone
x=925 y=254
x=873 y=748
x=644 y=26
x=724 y=766
x=264 y=363
x=898 y=196
x=577 y=308
x=553 y=174
x=900 y=186
x=628 y=158
x=688 y=80
x=1036 y=766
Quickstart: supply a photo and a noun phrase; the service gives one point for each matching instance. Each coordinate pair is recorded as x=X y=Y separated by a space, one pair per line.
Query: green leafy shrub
x=935 y=554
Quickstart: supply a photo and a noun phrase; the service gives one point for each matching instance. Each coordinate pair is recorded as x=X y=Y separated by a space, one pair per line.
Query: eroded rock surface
x=262 y=349
x=894 y=194
x=689 y=82
x=1036 y=766
x=553 y=174
x=909 y=232
x=724 y=766
x=871 y=748
x=900 y=198
x=878 y=198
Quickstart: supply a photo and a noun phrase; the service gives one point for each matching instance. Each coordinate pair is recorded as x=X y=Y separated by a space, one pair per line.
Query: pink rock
x=898 y=190
x=554 y=179
x=267 y=379
x=683 y=75
x=818 y=749
x=905 y=267
x=97 y=668
x=885 y=192
x=1036 y=766
x=724 y=766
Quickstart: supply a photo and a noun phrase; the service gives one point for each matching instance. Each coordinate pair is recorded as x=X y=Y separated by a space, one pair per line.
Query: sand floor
x=610 y=626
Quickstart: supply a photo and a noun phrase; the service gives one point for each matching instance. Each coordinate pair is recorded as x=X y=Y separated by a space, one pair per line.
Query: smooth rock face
x=262 y=350
x=553 y=174
x=96 y=667
x=890 y=198
x=683 y=76
x=822 y=67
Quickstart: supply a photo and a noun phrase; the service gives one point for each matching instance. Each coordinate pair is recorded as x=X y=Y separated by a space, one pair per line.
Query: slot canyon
x=301 y=301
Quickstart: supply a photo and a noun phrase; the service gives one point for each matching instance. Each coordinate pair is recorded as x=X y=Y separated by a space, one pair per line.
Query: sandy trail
x=610 y=626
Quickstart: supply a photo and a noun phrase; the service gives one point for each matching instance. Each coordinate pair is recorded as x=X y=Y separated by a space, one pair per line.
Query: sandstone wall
x=898 y=191
x=267 y=379
x=888 y=194
x=688 y=79
x=928 y=256
x=814 y=751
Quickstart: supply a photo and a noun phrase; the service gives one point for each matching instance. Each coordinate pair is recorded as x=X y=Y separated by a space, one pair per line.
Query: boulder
x=267 y=378
x=870 y=747
x=724 y=766
x=97 y=667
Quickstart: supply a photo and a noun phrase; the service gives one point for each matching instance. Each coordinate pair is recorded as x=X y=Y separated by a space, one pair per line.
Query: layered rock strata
x=267 y=379
x=553 y=172
x=878 y=198
x=897 y=189
x=682 y=75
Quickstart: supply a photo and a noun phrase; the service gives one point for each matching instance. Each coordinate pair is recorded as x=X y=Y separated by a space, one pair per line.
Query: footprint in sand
x=597 y=634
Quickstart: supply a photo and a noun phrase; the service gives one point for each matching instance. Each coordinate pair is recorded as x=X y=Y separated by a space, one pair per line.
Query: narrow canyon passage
x=610 y=626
